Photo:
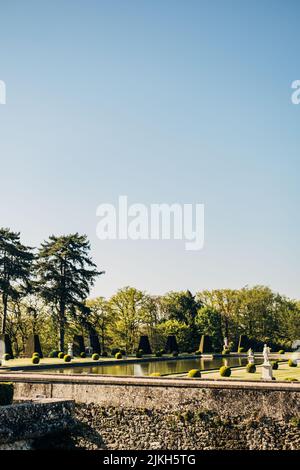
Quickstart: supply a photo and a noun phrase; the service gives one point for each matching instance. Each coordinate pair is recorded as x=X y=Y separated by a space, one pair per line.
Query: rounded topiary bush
x=61 y=355
x=292 y=363
x=198 y=353
x=104 y=354
x=53 y=354
x=35 y=354
x=175 y=353
x=6 y=357
x=225 y=371
x=67 y=358
x=118 y=355
x=155 y=374
x=194 y=373
x=281 y=351
x=35 y=360
x=6 y=393
x=251 y=368
x=158 y=354
x=275 y=365
x=83 y=355
x=241 y=350
x=95 y=357
x=139 y=354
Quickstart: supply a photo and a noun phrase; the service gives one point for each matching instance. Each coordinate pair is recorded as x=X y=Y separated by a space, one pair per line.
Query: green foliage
x=67 y=358
x=54 y=354
x=281 y=351
x=35 y=360
x=209 y=322
x=65 y=274
x=291 y=379
x=241 y=350
x=295 y=421
x=226 y=352
x=6 y=357
x=275 y=365
x=292 y=363
x=83 y=355
x=225 y=371
x=194 y=373
x=61 y=355
x=104 y=354
x=118 y=355
x=198 y=353
x=95 y=357
x=174 y=353
x=139 y=354
x=251 y=368
x=35 y=354
x=6 y=393
x=158 y=353
x=155 y=374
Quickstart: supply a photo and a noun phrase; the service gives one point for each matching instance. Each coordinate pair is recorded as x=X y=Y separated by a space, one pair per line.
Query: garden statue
x=250 y=356
x=226 y=346
x=70 y=349
x=266 y=368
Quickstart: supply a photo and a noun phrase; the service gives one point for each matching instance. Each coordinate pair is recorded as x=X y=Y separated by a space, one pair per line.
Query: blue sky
x=163 y=101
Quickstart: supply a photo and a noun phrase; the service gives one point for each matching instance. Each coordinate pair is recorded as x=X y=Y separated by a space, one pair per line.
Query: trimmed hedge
x=158 y=354
x=275 y=365
x=104 y=354
x=95 y=357
x=35 y=360
x=53 y=354
x=67 y=358
x=139 y=354
x=198 y=353
x=291 y=363
x=6 y=393
x=82 y=355
x=225 y=371
x=281 y=351
x=251 y=368
x=35 y=354
x=194 y=373
x=6 y=357
x=174 y=353
x=118 y=355
x=61 y=355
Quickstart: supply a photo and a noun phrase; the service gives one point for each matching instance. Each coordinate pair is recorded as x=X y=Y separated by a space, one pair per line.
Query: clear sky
x=162 y=101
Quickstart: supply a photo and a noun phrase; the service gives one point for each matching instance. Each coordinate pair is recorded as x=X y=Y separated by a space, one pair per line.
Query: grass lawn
x=280 y=374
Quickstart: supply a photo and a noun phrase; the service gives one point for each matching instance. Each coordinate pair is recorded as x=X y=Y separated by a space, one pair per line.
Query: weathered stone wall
x=21 y=424
x=149 y=413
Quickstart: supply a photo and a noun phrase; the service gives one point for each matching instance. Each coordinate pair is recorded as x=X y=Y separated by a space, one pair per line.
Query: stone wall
x=158 y=413
x=22 y=424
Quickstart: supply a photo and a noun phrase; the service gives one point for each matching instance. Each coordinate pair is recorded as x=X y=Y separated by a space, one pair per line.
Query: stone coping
x=97 y=379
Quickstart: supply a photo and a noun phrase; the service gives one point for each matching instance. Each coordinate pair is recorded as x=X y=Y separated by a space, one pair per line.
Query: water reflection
x=147 y=368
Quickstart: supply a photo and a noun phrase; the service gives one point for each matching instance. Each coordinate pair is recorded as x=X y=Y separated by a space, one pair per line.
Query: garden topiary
x=6 y=393
x=198 y=353
x=291 y=379
x=118 y=355
x=225 y=371
x=104 y=354
x=155 y=374
x=281 y=351
x=194 y=373
x=174 y=353
x=95 y=357
x=53 y=354
x=292 y=363
x=275 y=365
x=61 y=355
x=67 y=358
x=158 y=354
x=35 y=354
x=35 y=360
x=251 y=368
x=83 y=355
x=6 y=357
x=139 y=354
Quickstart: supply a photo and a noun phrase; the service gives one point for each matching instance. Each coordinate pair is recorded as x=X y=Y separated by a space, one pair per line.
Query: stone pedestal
x=266 y=372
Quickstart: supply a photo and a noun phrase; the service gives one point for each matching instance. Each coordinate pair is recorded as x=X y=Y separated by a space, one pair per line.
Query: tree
x=100 y=318
x=65 y=275
x=209 y=322
x=181 y=306
x=16 y=262
x=129 y=307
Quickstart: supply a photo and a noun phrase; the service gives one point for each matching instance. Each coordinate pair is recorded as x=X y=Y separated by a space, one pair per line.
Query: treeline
x=46 y=291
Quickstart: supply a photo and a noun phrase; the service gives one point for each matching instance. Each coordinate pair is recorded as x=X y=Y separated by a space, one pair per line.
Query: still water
x=147 y=368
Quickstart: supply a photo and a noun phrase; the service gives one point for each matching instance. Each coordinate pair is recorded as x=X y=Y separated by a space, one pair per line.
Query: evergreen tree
x=65 y=275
